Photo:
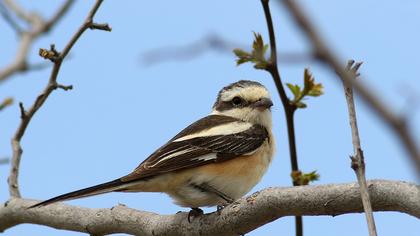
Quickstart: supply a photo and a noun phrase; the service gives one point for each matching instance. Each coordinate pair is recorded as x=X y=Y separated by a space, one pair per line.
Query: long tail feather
x=107 y=187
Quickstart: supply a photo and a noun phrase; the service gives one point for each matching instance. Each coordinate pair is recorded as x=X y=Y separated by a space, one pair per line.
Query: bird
x=212 y=162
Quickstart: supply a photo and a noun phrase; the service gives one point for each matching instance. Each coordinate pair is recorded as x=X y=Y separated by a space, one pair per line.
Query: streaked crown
x=240 y=94
x=246 y=100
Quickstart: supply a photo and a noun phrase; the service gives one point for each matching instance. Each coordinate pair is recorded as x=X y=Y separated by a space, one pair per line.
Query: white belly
x=234 y=178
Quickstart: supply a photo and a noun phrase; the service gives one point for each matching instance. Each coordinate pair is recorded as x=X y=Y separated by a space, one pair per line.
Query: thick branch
x=26 y=116
x=240 y=217
x=357 y=160
x=397 y=124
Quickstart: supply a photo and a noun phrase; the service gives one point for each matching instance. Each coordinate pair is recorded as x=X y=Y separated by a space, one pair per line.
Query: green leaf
x=265 y=48
x=257 y=56
x=304 y=178
x=317 y=90
x=259 y=48
x=310 y=87
x=294 y=88
x=240 y=53
x=309 y=177
x=241 y=60
x=242 y=56
x=308 y=81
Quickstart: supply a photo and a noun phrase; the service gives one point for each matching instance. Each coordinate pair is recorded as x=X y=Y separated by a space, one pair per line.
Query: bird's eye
x=237 y=101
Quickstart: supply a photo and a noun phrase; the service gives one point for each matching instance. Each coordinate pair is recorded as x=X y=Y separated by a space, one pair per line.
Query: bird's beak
x=263 y=103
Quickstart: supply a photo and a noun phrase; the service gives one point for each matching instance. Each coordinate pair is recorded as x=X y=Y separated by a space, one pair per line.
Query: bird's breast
x=234 y=178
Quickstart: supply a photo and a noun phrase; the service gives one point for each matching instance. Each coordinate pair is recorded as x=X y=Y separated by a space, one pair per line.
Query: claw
x=195 y=211
x=219 y=209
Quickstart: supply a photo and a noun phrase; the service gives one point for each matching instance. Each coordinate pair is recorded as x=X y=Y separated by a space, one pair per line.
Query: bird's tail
x=107 y=187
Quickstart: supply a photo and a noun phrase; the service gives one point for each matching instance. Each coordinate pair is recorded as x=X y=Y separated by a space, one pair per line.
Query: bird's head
x=245 y=100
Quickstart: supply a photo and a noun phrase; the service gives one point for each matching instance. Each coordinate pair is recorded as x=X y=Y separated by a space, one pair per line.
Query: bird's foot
x=195 y=211
x=219 y=209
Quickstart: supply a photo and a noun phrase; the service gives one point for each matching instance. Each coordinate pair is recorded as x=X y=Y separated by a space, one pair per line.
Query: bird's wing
x=194 y=146
x=198 y=145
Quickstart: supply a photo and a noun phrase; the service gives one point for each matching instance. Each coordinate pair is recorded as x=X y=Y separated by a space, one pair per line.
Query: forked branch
x=26 y=115
x=36 y=27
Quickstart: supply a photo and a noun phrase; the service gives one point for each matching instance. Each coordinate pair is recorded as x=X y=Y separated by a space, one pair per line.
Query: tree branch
x=210 y=42
x=396 y=123
x=242 y=216
x=357 y=160
x=9 y=19
x=4 y=160
x=19 y=11
x=26 y=116
x=289 y=108
x=27 y=37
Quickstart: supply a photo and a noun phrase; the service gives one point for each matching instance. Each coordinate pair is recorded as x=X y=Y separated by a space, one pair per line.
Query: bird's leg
x=208 y=188
x=195 y=211
x=219 y=209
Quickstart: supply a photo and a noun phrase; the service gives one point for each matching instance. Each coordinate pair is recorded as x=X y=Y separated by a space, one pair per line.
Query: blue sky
x=120 y=111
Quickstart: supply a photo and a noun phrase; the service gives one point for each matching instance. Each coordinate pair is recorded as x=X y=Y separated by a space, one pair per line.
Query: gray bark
x=242 y=216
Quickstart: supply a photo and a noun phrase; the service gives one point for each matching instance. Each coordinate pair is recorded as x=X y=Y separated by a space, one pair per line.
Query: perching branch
x=37 y=27
x=357 y=160
x=396 y=123
x=26 y=115
x=241 y=217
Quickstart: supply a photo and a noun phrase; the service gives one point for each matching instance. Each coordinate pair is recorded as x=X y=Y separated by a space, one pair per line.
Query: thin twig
x=4 y=160
x=37 y=27
x=289 y=108
x=9 y=19
x=26 y=115
x=58 y=15
x=357 y=160
x=396 y=123
x=19 y=11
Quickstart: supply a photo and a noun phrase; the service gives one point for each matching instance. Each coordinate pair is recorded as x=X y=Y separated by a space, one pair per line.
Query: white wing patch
x=174 y=154
x=225 y=129
x=207 y=157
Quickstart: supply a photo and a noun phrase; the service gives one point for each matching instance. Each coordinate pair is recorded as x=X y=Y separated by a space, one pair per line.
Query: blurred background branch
x=4 y=160
x=209 y=43
x=35 y=27
x=57 y=59
x=397 y=123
